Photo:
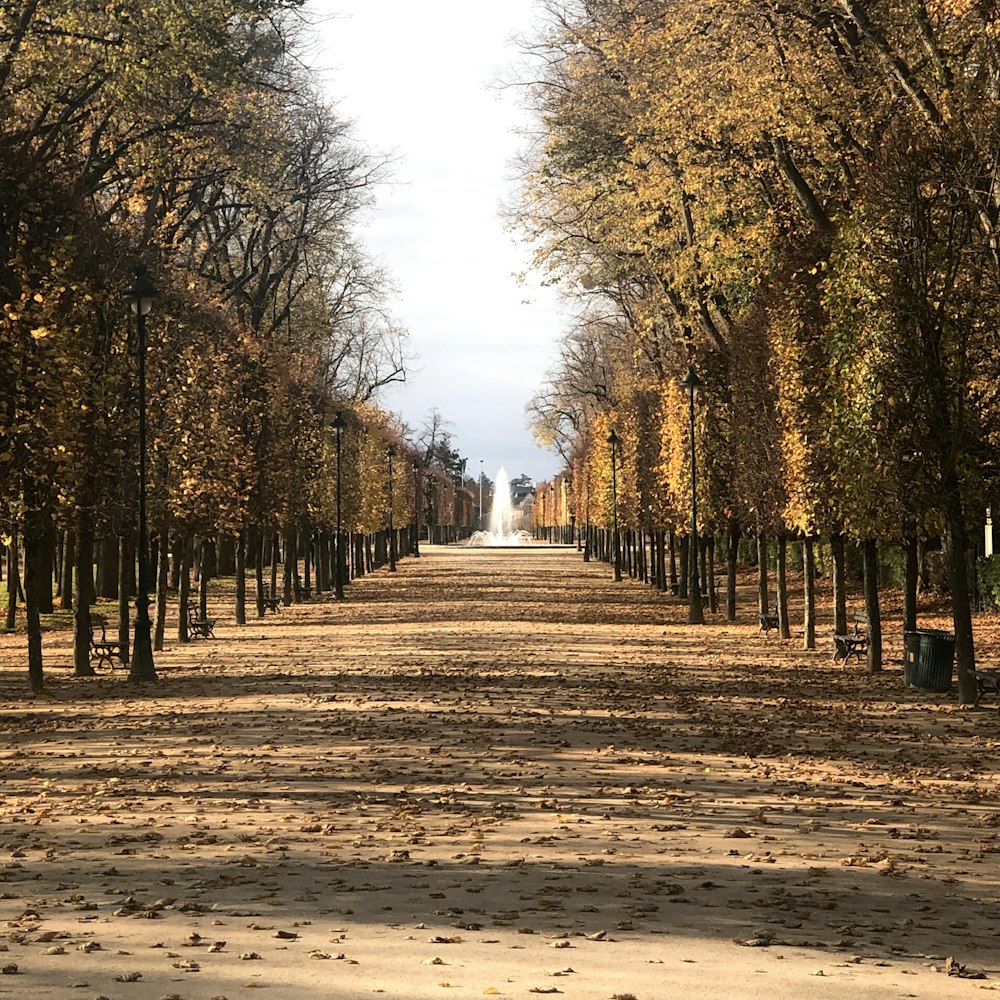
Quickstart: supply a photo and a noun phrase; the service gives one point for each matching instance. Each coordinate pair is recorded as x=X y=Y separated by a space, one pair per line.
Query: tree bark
x=763 y=598
x=872 y=606
x=182 y=555
x=84 y=594
x=784 y=626
x=36 y=565
x=107 y=568
x=961 y=604
x=839 y=584
x=13 y=575
x=258 y=549
x=911 y=576
x=672 y=546
x=162 y=580
x=124 y=574
x=68 y=562
x=288 y=570
x=809 y=589
x=204 y=575
x=685 y=560
x=732 y=557
x=240 y=557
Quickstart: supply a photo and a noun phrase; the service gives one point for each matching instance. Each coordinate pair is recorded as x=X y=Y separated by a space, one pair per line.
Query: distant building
x=522 y=499
x=520 y=489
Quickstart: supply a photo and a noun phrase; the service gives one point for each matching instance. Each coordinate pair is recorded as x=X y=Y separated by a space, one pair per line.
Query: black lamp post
x=390 y=454
x=481 y=521
x=339 y=423
x=691 y=384
x=140 y=296
x=416 y=510
x=613 y=441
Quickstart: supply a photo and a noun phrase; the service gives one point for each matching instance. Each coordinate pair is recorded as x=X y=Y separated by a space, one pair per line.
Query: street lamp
x=481 y=522
x=416 y=510
x=691 y=384
x=140 y=296
x=613 y=441
x=586 y=514
x=390 y=454
x=339 y=423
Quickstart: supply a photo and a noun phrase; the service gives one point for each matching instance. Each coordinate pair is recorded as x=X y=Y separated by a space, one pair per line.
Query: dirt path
x=499 y=774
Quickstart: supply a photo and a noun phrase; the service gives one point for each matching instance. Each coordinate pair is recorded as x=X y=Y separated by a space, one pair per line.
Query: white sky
x=418 y=78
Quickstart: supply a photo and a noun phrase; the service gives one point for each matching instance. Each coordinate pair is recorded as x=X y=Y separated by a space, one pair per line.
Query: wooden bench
x=852 y=644
x=103 y=649
x=199 y=627
x=768 y=620
x=271 y=603
x=987 y=682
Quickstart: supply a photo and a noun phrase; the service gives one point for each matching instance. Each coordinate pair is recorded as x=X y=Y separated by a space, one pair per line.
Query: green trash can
x=928 y=659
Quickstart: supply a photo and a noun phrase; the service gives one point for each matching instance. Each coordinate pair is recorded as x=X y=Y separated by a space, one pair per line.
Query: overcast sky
x=418 y=78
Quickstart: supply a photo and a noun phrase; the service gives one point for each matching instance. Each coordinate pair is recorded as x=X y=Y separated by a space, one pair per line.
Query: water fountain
x=502 y=519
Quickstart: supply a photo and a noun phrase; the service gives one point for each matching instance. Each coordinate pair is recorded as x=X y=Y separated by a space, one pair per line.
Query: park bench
x=103 y=649
x=305 y=593
x=199 y=626
x=987 y=682
x=768 y=620
x=706 y=594
x=271 y=602
x=854 y=643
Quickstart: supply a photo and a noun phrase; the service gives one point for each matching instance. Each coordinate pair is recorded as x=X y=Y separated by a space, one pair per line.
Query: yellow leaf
x=39 y=333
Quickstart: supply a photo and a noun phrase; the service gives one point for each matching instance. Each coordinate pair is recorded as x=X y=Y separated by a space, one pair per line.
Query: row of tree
x=189 y=138
x=800 y=199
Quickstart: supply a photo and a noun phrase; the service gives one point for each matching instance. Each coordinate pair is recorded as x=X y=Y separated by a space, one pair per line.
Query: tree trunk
x=839 y=584
x=204 y=575
x=13 y=575
x=259 y=573
x=107 y=567
x=784 y=628
x=162 y=565
x=183 y=556
x=732 y=557
x=68 y=562
x=124 y=557
x=961 y=605
x=225 y=556
x=37 y=564
x=240 y=558
x=672 y=547
x=275 y=556
x=307 y=545
x=713 y=596
x=84 y=594
x=872 y=606
x=288 y=570
x=45 y=560
x=685 y=554
x=809 y=591
x=763 y=598
x=910 y=581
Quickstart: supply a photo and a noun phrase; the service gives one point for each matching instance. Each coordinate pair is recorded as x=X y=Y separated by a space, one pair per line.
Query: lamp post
x=390 y=454
x=416 y=510
x=586 y=518
x=691 y=383
x=613 y=441
x=481 y=521
x=339 y=423
x=140 y=296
